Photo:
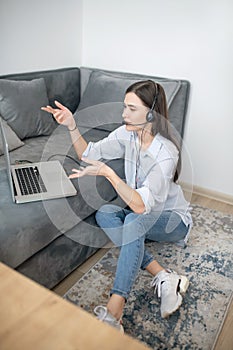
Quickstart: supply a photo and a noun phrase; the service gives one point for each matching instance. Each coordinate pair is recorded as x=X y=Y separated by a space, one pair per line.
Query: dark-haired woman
x=156 y=209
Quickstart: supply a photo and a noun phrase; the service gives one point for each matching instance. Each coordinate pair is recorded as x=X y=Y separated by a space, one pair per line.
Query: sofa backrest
x=79 y=87
x=61 y=84
x=177 y=92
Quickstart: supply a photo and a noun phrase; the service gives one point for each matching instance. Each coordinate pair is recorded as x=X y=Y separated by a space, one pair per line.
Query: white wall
x=181 y=39
x=40 y=34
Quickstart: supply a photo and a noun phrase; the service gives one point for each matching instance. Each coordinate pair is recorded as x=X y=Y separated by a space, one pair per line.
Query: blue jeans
x=129 y=231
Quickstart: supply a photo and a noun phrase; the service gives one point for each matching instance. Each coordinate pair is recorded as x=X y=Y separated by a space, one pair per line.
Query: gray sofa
x=47 y=240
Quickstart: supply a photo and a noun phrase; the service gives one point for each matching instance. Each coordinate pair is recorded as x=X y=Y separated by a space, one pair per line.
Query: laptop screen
x=7 y=158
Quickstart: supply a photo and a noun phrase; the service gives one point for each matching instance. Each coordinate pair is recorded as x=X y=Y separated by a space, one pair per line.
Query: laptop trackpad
x=54 y=176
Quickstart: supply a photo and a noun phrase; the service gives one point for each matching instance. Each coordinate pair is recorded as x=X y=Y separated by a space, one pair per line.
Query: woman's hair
x=148 y=91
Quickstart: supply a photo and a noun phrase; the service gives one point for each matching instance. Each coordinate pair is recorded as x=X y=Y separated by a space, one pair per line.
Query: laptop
x=31 y=182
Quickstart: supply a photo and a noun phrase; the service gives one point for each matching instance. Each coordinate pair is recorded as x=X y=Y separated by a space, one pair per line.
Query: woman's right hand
x=62 y=115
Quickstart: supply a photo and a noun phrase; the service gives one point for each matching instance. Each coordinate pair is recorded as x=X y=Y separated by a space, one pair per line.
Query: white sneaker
x=104 y=315
x=169 y=286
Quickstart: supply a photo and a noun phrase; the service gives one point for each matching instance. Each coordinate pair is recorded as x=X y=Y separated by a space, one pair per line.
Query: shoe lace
x=101 y=312
x=158 y=281
x=103 y=315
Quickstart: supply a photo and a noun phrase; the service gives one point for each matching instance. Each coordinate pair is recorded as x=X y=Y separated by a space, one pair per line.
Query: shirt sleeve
x=155 y=188
x=111 y=147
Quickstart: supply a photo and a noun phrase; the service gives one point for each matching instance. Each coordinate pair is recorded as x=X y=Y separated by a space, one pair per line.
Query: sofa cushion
x=20 y=103
x=101 y=104
x=12 y=139
x=25 y=228
x=44 y=221
x=62 y=84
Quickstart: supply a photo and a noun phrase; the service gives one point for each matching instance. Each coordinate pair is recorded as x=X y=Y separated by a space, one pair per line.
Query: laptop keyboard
x=30 y=181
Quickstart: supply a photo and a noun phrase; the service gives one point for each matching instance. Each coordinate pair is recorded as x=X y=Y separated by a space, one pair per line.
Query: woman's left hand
x=96 y=168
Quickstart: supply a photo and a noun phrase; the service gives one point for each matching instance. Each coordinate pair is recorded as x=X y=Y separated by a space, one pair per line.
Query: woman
x=155 y=206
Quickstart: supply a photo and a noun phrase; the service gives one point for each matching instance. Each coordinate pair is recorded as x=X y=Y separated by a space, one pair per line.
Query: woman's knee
x=133 y=228
x=105 y=213
x=132 y=218
x=100 y=214
x=108 y=208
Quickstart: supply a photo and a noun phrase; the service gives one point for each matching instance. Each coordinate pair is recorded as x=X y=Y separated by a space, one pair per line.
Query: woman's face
x=134 y=112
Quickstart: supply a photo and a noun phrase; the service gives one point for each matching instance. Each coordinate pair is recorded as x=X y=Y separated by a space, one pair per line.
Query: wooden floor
x=224 y=340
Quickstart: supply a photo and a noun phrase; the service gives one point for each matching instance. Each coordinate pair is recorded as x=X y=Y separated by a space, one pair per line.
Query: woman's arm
x=131 y=197
x=128 y=194
x=64 y=117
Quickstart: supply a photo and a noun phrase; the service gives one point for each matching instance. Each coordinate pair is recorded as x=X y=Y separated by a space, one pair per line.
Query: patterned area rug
x=206 y=261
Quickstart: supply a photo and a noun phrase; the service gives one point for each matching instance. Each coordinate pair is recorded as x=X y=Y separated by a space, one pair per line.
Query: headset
x=150 y=117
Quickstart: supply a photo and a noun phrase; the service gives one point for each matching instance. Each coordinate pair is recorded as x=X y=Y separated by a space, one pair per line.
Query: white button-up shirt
x=149 y=172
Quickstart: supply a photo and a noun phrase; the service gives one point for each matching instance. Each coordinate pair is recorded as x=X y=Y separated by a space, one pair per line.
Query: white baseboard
x=218 y=196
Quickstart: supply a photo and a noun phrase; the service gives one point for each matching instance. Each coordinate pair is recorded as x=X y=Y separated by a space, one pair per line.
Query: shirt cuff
x=146 y=198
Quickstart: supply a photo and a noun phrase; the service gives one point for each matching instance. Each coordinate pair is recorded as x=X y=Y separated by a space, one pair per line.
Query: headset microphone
x=125 y=123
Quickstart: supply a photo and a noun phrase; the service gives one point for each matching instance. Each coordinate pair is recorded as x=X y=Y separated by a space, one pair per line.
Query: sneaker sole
x=183 y=285
x=179 y=302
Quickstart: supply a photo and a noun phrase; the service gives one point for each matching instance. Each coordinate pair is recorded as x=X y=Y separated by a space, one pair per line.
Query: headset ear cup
x=150 y=116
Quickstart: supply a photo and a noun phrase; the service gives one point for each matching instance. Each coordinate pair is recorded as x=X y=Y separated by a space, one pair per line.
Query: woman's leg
x=168 y=285
x=162 y=227
x=129 y=230
x=124 y=229
x=168 y=228
x=111 y=219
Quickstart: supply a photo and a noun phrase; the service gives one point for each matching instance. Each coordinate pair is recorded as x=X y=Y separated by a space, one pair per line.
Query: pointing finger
x=58 y=104
x=48 y=109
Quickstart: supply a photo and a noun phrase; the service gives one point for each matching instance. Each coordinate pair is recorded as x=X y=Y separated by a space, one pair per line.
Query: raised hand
x=93 y=168
x=62 y=114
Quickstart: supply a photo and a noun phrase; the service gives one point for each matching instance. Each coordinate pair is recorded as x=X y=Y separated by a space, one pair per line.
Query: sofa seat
x=42 y=222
